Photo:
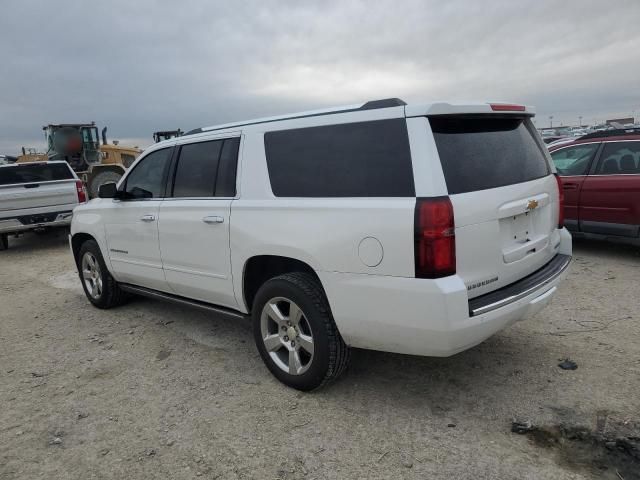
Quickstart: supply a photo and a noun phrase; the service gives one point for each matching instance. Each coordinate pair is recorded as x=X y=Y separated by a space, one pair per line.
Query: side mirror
x=108 y=190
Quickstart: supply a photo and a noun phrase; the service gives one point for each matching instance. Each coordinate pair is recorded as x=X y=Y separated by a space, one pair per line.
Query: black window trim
x=173 y=167
x=123 y=185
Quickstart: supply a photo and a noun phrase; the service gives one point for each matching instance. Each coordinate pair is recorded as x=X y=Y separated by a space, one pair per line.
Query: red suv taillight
x=82 y=193
x=435 y=238
x=560 y=202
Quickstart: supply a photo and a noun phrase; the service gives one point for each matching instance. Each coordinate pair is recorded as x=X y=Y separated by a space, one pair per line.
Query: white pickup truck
x=37 y=195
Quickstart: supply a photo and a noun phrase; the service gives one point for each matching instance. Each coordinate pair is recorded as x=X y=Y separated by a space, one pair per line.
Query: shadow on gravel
x=608 y=250
x=37 y=242
x=581 y=449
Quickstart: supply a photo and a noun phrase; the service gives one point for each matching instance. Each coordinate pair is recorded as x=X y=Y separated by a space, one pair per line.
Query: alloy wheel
x=91 y=275
x=287 y=335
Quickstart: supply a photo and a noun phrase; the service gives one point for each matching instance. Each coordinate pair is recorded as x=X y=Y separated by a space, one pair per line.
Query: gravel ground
x=152 y=390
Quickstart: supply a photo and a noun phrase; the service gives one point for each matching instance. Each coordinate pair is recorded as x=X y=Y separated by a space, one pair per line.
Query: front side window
x=620 y=158
x=147 y=179
x=364 y=159
x=574 y=160
x=127 y=160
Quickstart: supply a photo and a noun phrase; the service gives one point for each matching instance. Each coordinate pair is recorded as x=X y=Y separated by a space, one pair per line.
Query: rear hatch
x=504 y=197
x=32 y=185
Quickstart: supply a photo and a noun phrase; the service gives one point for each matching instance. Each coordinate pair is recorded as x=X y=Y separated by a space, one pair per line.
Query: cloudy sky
x=140 y=66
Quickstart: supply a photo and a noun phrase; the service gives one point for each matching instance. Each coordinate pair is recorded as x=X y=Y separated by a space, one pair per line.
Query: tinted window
x=147 y=179
x=480 y=152
x=196 y=170
x=34 y=172
x=620 y=158
x=574 y=160
x=366 y=159
x=226 y=180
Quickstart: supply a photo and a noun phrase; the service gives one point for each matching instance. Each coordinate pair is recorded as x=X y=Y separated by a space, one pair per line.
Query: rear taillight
x=560 y=202
x=81 y=191
x=435 y=239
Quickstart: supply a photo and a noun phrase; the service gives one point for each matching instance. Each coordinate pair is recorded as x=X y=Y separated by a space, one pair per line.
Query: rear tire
x=4 y=241
x=295 y=332
x=99 y=286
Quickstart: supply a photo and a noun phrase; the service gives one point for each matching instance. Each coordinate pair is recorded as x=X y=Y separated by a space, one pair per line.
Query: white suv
x=414 y=229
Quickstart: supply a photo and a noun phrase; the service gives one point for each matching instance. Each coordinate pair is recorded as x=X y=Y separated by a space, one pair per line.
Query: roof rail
x=370 y=105
x=618 y=132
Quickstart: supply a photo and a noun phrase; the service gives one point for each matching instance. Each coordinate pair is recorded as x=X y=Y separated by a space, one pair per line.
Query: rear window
x=364 y=159
x=478 y=153
x=34 y=173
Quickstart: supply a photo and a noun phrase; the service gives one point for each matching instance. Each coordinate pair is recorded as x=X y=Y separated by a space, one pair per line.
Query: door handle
x=148 y=218
x=570 y=186
x=212 y=219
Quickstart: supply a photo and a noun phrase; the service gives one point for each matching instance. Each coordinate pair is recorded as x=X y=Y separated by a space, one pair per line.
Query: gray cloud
x=143 y=66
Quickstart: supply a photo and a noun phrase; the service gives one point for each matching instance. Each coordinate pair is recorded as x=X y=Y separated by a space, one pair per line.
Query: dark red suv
x=600 y=175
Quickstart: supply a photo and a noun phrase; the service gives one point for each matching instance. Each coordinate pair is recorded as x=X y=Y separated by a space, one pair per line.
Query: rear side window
x=574 y=160
x=34 y=173
x=365 y=159
x=207 y=169
x=478 y=153
x=620 y=158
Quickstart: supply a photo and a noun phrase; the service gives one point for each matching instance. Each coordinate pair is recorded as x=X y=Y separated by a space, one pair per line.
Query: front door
x=131 y=224
x=194 y=222
x=572 y=164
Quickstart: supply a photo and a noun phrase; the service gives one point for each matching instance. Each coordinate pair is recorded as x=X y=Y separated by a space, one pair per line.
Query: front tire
x=99 y=286
x=295 y=332
x=4 y=241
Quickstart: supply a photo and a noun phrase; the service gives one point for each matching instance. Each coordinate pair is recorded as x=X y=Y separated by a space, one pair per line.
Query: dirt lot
x=151 y=390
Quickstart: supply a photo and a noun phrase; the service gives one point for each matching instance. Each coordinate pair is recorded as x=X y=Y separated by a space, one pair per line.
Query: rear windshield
x=478 y=153
x=34 y=173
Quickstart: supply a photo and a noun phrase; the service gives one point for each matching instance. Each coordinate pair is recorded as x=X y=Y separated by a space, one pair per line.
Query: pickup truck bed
x=37 y=195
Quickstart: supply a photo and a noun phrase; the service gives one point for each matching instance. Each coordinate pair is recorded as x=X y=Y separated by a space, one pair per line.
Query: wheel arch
x=261 y=268
x=76 y=243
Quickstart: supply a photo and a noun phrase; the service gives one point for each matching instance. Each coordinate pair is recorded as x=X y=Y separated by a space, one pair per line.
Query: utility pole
x=580 y=121
x=550 y=121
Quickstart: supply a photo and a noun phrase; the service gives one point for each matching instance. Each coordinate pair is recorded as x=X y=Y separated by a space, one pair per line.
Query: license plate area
x=517 y=229
x=520 y=237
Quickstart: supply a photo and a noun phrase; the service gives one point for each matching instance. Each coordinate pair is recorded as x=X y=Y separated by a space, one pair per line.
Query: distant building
x=621 y=121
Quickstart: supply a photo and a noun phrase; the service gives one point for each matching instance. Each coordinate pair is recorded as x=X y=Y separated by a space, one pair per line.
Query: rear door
x=610 y=199
x=505 y=198
x=194 y=221
x=572 y=164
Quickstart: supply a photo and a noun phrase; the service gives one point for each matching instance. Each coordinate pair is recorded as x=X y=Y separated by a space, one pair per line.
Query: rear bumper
x=432 y=317
x=32 y=222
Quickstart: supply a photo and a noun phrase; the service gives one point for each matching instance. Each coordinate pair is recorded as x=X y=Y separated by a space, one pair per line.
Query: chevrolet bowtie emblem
x=532 y=205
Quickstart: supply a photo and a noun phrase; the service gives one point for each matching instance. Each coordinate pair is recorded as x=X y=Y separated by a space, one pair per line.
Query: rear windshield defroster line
x=478 y=153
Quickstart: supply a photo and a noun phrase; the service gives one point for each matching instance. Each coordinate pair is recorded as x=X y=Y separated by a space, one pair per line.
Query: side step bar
x=147 y=292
